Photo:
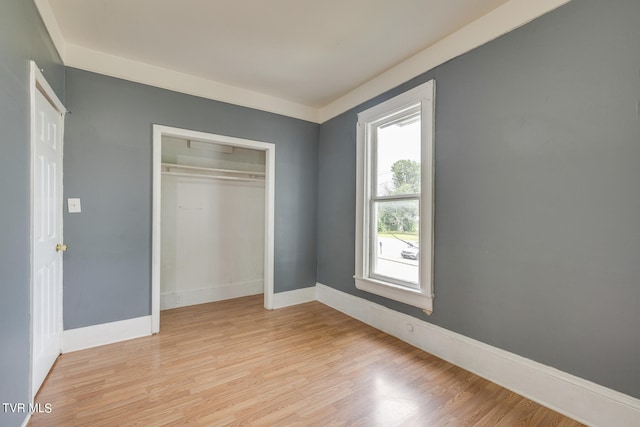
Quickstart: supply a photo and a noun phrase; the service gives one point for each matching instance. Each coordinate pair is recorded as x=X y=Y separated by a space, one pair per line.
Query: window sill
x=414 y=297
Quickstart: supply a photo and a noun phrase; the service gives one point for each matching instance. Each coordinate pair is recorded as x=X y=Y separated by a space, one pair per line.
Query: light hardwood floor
x=234 y=363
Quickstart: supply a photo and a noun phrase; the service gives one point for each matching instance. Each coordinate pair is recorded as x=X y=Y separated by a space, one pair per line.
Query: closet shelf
x=213 y=173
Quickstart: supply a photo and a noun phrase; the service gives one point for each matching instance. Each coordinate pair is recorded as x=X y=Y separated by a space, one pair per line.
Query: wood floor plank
x=233 y=363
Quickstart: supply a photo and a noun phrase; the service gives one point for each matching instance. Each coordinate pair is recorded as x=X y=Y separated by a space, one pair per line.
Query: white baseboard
x=203 y=296
x=582 y=400
x=105 y=333
x=297 y=296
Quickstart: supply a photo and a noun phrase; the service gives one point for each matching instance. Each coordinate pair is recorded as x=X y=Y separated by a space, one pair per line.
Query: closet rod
x=226 y=178
x=198 y=168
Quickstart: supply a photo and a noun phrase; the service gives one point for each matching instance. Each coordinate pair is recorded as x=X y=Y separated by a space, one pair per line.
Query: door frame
x=38 y=83
x=269 y=148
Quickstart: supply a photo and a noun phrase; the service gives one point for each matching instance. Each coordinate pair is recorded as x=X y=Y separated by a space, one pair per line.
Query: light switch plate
x=74 y=205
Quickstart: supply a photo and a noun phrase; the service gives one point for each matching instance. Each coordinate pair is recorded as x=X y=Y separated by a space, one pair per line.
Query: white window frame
x=368 y=120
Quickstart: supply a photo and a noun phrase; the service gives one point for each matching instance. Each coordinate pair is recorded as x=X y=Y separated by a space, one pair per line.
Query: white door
x=46 y=305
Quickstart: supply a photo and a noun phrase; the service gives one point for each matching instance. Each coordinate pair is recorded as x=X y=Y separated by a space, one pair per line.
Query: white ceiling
x=307 y=53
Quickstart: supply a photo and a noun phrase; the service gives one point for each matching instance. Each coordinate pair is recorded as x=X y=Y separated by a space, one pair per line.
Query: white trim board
x=505 y=18
x=139 y=72
x=105 y=333
x=109 y=333
x=295 y=297
x=269 y=211
x=582 y=400
x=511 y=15
x=123 y=330
x=187 y=297
x=51 y=23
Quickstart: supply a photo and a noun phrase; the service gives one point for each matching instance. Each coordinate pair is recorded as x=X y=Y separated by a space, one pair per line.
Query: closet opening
x=213 y=207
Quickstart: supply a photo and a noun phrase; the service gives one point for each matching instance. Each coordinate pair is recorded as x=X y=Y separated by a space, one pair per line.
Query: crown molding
x=136 y=71
x=509 y=16
x=51 y=23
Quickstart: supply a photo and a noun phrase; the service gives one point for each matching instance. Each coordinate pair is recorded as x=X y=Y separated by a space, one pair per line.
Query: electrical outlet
x=409 y=327
x=178 y=299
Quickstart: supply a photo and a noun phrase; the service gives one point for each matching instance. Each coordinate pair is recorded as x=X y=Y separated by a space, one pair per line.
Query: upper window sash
x=404 y=117
x=420 y=99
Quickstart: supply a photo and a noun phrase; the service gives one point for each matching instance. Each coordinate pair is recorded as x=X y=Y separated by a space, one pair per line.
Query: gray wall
x=108 y=144
x=537 y=229
x=22 y=38
x=537 y=195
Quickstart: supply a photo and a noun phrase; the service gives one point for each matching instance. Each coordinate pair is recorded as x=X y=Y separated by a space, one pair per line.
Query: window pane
x=397 y=163
x=395 y=241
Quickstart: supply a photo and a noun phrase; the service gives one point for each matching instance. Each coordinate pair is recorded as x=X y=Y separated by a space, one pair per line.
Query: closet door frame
x=158 y=132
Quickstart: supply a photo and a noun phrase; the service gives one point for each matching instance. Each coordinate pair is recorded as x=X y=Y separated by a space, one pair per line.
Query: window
x=394 y=215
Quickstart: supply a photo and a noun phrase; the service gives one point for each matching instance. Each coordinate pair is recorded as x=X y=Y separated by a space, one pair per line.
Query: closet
x=212 y=222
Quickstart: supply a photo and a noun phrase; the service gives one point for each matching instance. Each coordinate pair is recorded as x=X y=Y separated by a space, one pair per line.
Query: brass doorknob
x=61 y=247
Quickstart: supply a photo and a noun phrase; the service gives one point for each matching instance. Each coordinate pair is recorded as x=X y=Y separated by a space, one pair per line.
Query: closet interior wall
x=212 y=245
